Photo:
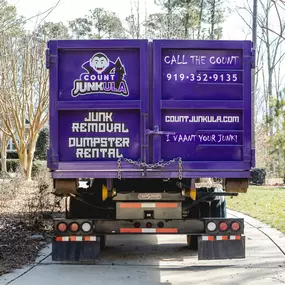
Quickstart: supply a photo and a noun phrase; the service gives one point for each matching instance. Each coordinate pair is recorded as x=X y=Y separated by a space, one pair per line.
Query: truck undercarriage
x=148 y=206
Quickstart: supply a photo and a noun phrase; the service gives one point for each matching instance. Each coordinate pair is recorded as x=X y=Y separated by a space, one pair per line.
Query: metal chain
x=159 y=164
x=119 y=169
x=144 y=165
x=180 y=168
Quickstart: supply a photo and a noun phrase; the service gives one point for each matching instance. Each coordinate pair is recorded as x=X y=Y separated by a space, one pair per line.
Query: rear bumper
x=85 y=246
x=152 y=226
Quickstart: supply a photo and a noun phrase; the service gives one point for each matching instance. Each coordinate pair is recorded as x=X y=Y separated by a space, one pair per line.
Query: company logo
x=149 y=196
x=102 y=76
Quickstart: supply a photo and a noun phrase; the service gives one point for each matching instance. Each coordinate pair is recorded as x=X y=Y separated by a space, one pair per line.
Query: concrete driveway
x=165 y=260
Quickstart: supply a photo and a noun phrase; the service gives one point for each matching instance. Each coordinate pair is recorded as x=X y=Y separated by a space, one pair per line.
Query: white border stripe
x=219 y=237
x=204 y=237
x=148 y=230
x=92 y=238
x=79 y=238
x=65 y=238
x=148 y=205
x=235 y=237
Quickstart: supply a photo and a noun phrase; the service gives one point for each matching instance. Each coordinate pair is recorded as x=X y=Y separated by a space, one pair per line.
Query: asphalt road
x=165 y=260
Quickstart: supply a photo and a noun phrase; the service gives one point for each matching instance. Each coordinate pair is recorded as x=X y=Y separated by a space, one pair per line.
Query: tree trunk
x=283 y=167
x=138 y=21
x=270 y=94
x=4 y=153
x=31 y=153
x=29 y=167
x=187 y=18
x=200 y=18
x=23 y=160
x=169 y=16
x=213 y=19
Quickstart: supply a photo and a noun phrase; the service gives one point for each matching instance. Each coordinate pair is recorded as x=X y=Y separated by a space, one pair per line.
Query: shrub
x=12 y=155
x=42 y=144
x=13 y=165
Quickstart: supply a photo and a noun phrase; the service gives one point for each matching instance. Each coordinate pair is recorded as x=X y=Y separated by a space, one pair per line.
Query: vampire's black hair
x=99 y=55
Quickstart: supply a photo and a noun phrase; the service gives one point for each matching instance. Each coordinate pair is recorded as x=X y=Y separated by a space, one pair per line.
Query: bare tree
x=133 y=21
x=279 y=7
x=23 y=94
x=269 y=79
x=271 y=42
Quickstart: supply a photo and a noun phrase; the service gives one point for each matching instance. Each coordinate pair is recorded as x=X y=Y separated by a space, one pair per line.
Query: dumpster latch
x=156 y=131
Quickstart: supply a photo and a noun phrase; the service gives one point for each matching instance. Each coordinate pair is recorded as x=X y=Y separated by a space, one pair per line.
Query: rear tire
x=103 y=241
x=192 y=242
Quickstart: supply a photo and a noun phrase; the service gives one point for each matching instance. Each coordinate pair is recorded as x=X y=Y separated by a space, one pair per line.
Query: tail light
x=137 y=224
x=148 y=225
x=74 y=227
x=223 y=226
x=235 y=226
x=86 y=227
x=160 y=224
x=62 y=227
x=211 y=226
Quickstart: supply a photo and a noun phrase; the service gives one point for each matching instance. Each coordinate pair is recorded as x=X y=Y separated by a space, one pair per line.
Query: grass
x=266 y=204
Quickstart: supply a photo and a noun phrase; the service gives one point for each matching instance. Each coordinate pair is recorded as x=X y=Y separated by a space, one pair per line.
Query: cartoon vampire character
x=100 y=64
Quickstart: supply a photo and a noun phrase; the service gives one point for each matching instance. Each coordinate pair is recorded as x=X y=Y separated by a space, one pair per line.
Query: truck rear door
x=202 y=109
x=98 y=100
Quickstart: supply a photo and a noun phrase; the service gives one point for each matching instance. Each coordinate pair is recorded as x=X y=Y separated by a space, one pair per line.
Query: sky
x=234 y=28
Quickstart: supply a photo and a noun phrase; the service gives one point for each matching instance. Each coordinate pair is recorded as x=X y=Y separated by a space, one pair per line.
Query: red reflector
x=62 y=227
x=235 y=226
x=74 y=227
x=148 y=225
x=72 y=238
x=211 y=238
x=223 y=226
x=137 y=225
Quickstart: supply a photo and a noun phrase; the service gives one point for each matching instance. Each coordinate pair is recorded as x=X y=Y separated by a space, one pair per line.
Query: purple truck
x=134 y=126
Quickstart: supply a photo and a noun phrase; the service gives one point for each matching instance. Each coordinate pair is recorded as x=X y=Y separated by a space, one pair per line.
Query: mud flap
x=221 y=249
x=75 y=250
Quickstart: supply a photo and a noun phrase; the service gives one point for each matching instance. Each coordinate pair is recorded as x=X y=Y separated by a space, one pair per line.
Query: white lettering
x=176 y=119
x=224 y=60
x=75 y=127
x=198 y=60
x=166 y=59
x=83 y=128
x=97 y=153
x=71 y=142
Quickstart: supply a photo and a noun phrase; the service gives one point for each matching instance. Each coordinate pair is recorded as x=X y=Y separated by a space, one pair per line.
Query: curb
x=14 y=275
x=277 y=237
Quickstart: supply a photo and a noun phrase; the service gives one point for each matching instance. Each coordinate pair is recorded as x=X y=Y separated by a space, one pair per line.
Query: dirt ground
x=26 y=211
x=17 y=244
